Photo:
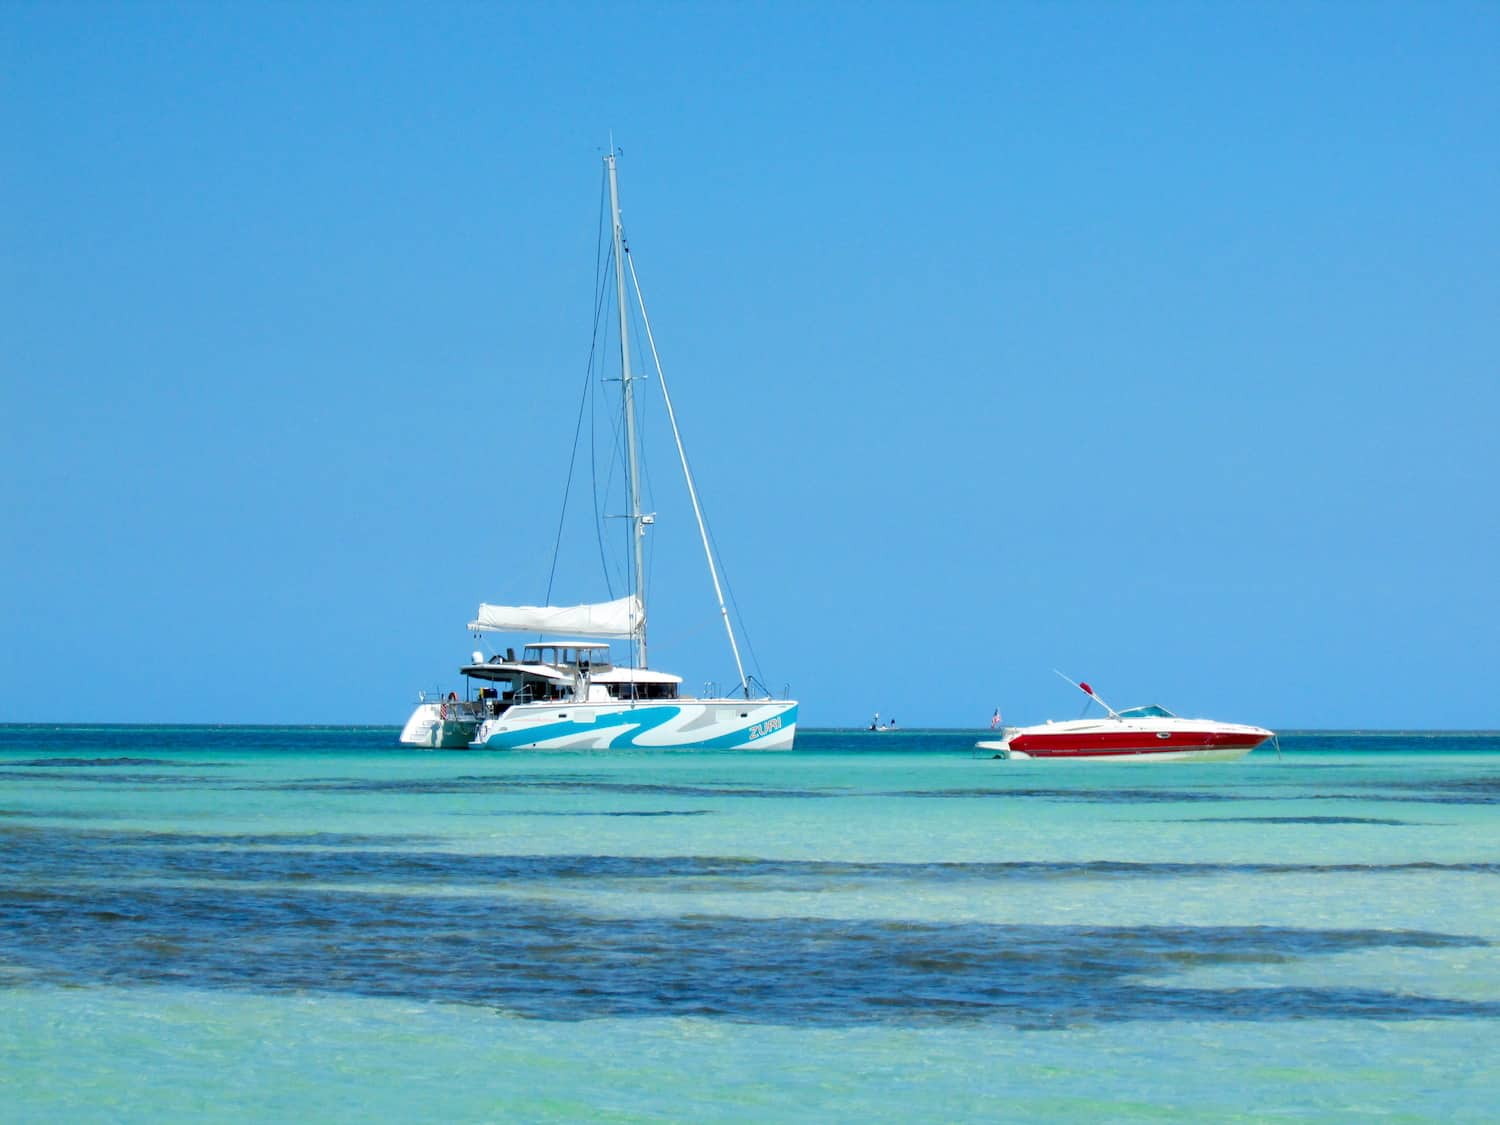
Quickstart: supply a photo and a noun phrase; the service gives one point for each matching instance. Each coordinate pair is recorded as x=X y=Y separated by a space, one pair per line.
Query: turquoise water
x=289 y=923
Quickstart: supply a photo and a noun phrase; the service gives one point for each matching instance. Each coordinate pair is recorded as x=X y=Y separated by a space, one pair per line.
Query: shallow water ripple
x=547 y=962
x=880 y=927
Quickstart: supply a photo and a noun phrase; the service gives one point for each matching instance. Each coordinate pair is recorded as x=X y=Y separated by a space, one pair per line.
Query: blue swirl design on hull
x=632 y=723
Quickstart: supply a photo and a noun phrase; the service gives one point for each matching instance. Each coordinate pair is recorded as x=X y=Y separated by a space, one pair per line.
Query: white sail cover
x=619 y=618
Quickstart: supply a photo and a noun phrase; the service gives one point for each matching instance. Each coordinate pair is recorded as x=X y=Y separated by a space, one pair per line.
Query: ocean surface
x=287 y=924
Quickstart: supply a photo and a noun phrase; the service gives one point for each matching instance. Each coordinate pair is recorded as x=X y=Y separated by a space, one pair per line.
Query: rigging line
x=598 y=518
x=638 y=621
x=583 y=401
x=643 y=422
x=687 y=473
x=704 y=525
x=650 y=563
x=618 y=453
x=568 y=486
x=606 y=251
x=602 y=494
x=733 y=601
x=738 y=614
x=601 y=290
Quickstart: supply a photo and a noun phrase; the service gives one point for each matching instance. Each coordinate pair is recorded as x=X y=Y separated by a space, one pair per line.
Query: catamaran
x=565 y=692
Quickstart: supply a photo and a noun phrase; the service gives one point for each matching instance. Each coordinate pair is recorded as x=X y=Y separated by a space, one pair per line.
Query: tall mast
x=632 y=468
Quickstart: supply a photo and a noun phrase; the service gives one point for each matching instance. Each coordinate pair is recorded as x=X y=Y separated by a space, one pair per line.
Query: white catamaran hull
x=431 y=728
x=677 y=724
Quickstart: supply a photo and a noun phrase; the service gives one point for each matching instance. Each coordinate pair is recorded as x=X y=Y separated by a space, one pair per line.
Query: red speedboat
x=1138 y=733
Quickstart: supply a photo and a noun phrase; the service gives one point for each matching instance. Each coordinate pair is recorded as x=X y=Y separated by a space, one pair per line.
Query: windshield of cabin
x=1151 y=712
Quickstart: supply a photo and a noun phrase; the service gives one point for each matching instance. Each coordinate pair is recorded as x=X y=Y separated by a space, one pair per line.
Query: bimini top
x=497 y=669
x=565 y=644
x=634 y=676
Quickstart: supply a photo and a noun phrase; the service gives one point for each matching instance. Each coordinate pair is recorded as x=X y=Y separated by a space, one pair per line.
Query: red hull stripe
x=1130 y=742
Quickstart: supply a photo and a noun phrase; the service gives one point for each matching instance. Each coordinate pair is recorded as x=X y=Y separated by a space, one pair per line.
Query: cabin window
x=639 y=691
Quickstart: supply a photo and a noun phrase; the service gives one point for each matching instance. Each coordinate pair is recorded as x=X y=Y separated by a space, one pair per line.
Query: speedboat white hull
x=677 y=724
x=432 y=727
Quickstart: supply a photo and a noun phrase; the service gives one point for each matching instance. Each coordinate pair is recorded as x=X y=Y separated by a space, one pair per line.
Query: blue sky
x=1154 y=343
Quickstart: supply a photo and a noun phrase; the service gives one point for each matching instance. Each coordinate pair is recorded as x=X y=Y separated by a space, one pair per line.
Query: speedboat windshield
x=1151 y=712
